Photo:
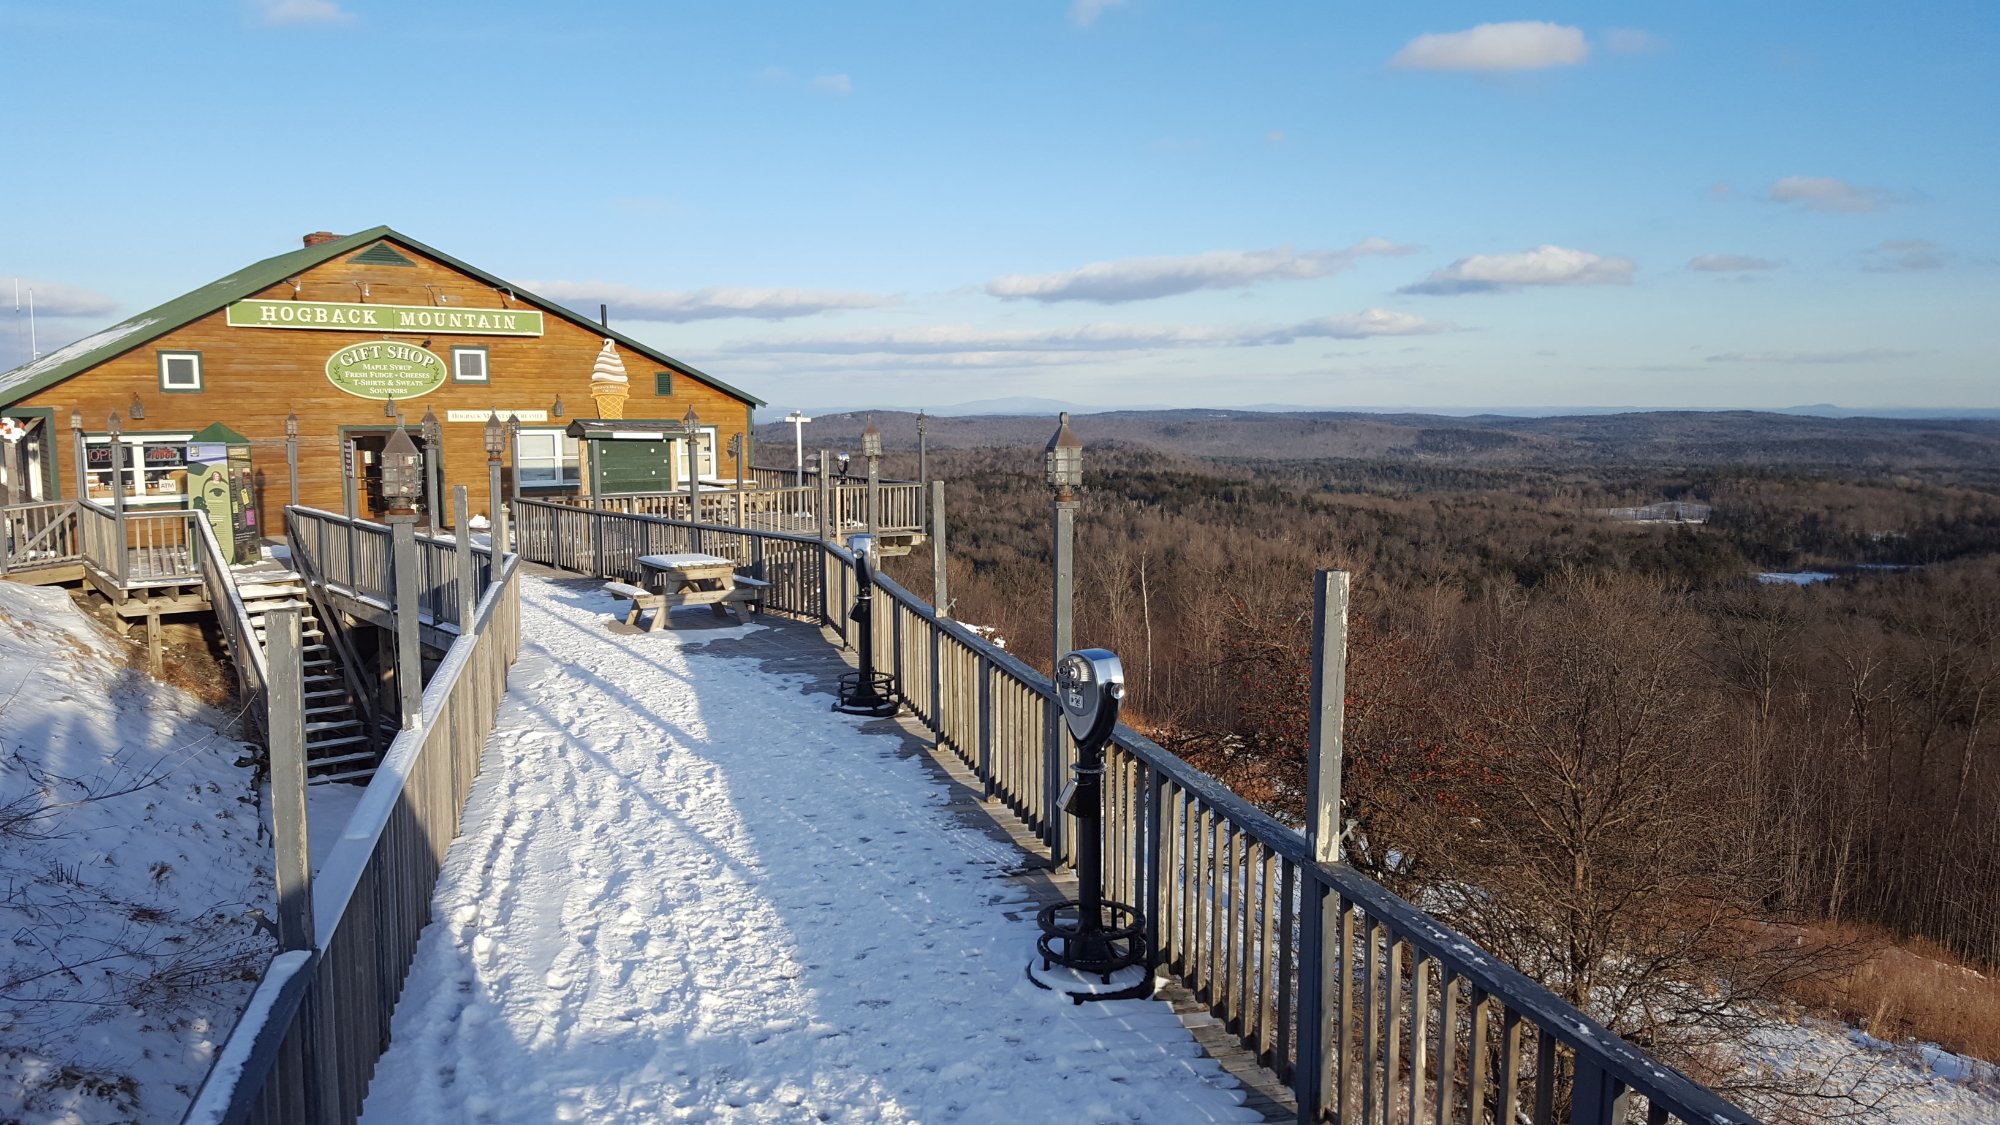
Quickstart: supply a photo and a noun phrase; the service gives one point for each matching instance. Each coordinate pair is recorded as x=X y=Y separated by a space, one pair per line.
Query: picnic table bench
x=689 y=579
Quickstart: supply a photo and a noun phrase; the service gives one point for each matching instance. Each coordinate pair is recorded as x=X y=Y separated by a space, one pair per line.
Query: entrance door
x=368 y=445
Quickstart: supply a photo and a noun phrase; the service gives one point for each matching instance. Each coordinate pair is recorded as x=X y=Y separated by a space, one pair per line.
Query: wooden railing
x=353 y=557
x=306 y=1047
x=239 y=633
x=1369 y=1008
x=784 y=508
x=38 y=535
x=140 y=548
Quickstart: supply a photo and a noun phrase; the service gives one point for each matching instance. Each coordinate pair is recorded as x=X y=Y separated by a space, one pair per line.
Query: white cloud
x=1495 y=47
x=1864 y=355
x=1139 y=279
x=1902 y=255
x=965 y=340
x=1544 y=265
x=1828 y=193
x=53 y=298
x=1632 y=41
x=1731 y=263
x=1371 y=322
x=714 y=303
x=1084 y=13
x=296 y=13
x=833 y=84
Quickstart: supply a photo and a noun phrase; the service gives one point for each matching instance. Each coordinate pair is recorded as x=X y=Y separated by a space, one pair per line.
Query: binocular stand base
x=1105 y=958
x=873 y=695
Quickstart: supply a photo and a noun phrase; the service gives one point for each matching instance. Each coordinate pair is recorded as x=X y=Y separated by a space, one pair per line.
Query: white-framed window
x=468 y=365
x=705 y=466
x=155 y=467
x=180 y=372
x=546 y=459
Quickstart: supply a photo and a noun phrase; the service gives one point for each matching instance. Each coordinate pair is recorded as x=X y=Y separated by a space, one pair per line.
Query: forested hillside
x=1640 y=754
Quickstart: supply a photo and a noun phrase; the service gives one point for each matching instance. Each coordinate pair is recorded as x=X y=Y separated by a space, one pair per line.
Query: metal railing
x=308 y=1043
x=1370 y=1009
x=38 y=535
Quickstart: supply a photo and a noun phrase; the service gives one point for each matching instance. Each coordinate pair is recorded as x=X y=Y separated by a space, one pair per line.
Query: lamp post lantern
x=402 y=474
x=871 y=448
x=798 y=421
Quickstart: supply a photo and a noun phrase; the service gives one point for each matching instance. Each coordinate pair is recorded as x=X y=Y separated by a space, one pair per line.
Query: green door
x=634 y=466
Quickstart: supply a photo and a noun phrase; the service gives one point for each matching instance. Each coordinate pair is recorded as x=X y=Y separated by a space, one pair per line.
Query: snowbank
x=129 y=856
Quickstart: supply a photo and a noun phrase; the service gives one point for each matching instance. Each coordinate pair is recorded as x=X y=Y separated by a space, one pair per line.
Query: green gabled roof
x=136 y=331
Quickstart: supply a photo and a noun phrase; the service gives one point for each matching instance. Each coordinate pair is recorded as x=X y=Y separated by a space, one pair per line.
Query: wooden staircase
x=339 y=746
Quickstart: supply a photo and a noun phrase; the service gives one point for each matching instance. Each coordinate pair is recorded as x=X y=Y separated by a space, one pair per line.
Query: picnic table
x=690 y=579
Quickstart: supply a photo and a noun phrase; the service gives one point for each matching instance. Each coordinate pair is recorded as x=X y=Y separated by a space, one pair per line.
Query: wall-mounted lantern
x=138 y=409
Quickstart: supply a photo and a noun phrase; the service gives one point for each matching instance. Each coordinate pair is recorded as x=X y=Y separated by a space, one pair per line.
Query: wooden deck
x=791 y=648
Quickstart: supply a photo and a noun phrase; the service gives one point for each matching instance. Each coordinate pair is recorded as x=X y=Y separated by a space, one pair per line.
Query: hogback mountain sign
x=343 y=316
x=382 y=369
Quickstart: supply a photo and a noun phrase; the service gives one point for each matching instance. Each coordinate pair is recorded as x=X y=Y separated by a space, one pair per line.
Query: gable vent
x=381 y=254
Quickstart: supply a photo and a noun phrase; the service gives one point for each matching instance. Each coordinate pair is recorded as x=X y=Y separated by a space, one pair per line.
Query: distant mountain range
x=1021 y=405
x=1965 y=446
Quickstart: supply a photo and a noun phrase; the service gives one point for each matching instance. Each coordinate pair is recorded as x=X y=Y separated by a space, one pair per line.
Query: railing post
x=1320 y=966
x=409 y=655
x=940 y=591
x=284 y=701
x=824 y=518
x=1596 y=1098
x=119 y=545
x=1329 y=700
x=468 y=588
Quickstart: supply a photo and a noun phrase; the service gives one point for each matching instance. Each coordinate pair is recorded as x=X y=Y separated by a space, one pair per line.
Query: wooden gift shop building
x=340 y=339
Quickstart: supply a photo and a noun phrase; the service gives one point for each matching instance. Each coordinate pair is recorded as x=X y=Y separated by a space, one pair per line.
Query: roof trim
x=136 y=331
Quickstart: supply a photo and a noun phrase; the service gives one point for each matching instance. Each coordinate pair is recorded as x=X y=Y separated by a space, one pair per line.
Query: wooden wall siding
x=253 y=377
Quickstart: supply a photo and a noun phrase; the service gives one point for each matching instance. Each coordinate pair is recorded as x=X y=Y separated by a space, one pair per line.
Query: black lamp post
x=923 y=472
x=514 y=443
x=871 y=448
x=496 y=444
x=292 y=454
x=866 y=691
x=1089 y=936
x=116 y=428
x=691 y=430
x=433 y=432
x=1063 y=464
x=82 y=457
x=736 y=455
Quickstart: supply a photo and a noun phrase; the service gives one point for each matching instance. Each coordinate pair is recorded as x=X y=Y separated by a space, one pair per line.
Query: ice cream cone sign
x=609 y=384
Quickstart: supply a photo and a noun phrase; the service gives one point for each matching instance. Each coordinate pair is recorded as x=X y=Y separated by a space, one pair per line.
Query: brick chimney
x=319 y=236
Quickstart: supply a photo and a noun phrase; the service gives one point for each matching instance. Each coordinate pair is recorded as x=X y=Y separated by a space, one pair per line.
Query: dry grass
x=1910 y=989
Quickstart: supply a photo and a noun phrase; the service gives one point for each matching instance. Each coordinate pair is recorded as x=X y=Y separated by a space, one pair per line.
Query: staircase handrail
x=246 y=652
x=335 y=623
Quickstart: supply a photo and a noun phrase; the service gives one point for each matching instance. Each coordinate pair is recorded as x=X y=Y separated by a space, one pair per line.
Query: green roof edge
x=203 y=300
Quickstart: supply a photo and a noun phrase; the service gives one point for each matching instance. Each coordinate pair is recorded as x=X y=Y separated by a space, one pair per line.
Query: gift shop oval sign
x=382 y=369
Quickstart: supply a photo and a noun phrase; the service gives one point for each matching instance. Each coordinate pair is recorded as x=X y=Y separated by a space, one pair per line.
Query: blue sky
x=1326 y=204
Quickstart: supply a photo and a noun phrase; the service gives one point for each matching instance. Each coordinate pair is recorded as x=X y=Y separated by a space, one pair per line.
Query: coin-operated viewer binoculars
x=866 y=691
x=1100 y=945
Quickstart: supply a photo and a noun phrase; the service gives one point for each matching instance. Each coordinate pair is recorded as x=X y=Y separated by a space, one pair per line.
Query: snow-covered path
x=687 y=890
